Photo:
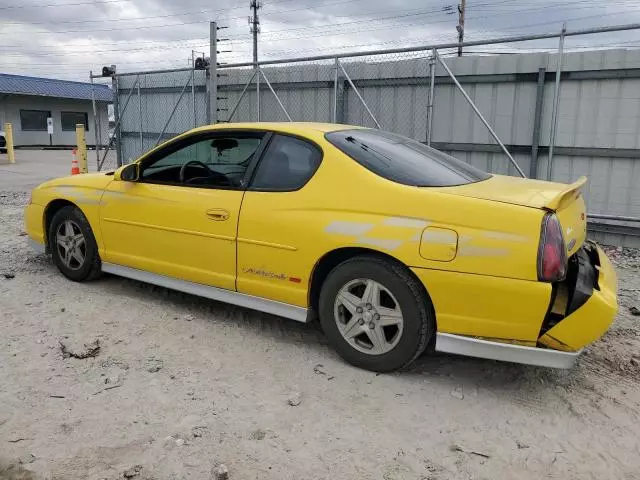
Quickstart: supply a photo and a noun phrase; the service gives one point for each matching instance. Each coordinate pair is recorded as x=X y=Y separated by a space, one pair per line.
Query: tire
x=71 y=267
x=3 y=150
x=397 y=292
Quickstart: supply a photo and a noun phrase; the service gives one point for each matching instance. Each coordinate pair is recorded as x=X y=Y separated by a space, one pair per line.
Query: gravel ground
x=181 y=384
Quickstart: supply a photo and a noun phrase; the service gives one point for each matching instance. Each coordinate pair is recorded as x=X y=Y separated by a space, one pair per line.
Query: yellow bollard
x=82 y=148
x=8 y=132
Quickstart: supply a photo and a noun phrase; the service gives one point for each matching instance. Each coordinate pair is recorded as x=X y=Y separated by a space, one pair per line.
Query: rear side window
x=287 y=165
x=404 y=160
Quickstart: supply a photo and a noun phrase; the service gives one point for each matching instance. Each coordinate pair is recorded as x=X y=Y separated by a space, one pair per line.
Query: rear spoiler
x=565 y=195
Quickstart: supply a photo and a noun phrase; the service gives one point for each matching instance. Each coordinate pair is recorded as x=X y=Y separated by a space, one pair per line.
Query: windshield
x=404 y=160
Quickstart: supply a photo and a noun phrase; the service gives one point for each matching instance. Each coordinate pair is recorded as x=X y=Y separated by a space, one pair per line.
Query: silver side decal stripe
x=249 y=301
x=474 y=347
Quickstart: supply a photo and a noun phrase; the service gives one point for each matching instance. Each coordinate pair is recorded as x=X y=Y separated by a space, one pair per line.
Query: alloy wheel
x=71 y=245
x=368 y=316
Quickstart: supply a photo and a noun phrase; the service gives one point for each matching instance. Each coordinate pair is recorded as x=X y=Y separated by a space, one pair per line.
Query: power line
x=118 y=42
x=44 y=5
x=546 y=6
x=95 y=2
x=354 y=22
x=74 y=53
x=189 y=23
x=518 y=27
x=285 y=11
x=49 y=32
x=413 y=24
x=169 y=15
x=341 y=25
x=361 y=21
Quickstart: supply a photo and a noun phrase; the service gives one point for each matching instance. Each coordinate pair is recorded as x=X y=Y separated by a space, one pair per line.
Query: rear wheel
x=375 y=314
x=73 y=246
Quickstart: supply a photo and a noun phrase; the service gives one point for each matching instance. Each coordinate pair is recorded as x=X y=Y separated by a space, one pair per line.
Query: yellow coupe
x=394 y=246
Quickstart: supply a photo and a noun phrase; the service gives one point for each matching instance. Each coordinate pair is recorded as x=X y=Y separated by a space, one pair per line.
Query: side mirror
x=128 y=173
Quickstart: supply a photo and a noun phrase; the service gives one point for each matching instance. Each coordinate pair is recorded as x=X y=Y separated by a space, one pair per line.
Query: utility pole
x=254 y=22
x=460 y=26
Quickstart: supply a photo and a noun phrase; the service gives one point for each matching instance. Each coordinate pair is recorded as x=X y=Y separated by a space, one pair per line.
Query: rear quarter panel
x=285 y=234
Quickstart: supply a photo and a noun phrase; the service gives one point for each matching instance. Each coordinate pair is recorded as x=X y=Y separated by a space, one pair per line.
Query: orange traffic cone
x=75 y=168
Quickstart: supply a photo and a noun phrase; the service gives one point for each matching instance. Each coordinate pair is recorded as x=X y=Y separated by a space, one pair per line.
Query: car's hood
x=517 y=191
x=83 y=190
x=87 y=180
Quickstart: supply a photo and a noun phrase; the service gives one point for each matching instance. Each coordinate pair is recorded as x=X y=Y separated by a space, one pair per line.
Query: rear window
x=404 y=160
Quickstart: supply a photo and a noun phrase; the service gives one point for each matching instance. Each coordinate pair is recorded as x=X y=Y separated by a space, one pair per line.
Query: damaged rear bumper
x=596 y=294
x=592 y=306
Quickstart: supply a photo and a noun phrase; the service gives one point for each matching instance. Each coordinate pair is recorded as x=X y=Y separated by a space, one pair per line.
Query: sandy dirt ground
x=181 y=384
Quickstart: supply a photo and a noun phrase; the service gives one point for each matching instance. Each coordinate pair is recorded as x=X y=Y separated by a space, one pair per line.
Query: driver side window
x=215 y=162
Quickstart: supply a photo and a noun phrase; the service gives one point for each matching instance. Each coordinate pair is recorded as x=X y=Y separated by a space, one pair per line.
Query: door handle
x=218 y=214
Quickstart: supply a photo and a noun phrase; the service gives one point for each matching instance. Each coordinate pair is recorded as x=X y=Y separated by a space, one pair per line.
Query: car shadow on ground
x=452 y=368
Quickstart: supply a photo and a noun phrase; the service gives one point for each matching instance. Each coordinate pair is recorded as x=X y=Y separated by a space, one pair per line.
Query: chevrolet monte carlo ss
x=394 y=246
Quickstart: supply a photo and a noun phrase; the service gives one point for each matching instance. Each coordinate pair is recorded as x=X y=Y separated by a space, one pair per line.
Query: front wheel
x=73 y=246
x=375 y=314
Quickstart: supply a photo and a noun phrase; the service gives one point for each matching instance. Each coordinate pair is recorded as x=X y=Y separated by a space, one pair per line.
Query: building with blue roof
x=31 y=104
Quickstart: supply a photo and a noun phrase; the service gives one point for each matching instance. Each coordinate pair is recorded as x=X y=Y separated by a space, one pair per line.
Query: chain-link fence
x=152 y=107
x=551 y=115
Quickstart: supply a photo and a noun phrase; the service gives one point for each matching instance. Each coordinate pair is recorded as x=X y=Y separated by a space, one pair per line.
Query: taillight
x=552 y=253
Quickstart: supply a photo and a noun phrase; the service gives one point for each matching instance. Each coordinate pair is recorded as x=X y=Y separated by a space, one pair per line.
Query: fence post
x=338 y=95
x=258 y=90
x=193 y=87
x=432 y=87
x=537 y=121
x=116 y=118
x=140 y=118
x=213 y=72
x=96 y=126
x=556 y=101
x=8 y=131
x=207 y=87
x=81 y=146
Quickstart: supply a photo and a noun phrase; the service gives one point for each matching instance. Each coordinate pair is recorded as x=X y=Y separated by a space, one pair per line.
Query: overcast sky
x=67 y=38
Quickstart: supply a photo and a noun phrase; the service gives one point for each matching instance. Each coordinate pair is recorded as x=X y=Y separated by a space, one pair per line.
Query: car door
x=276 y=240
x=180 y=217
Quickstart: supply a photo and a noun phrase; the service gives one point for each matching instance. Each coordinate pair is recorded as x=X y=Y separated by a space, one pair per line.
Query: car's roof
x=288 y=127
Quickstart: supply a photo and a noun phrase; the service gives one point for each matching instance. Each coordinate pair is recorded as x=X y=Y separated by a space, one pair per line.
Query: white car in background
x=3 y=142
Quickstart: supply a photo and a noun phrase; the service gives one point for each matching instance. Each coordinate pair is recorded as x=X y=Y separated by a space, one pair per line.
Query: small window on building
x=288 y=164
x=34 y=120
x=71 y=119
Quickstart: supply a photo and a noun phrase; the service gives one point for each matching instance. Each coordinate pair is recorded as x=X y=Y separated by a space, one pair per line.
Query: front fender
x=49 y=198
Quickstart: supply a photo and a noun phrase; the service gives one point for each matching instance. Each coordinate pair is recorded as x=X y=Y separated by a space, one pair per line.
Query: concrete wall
x=10 y=106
